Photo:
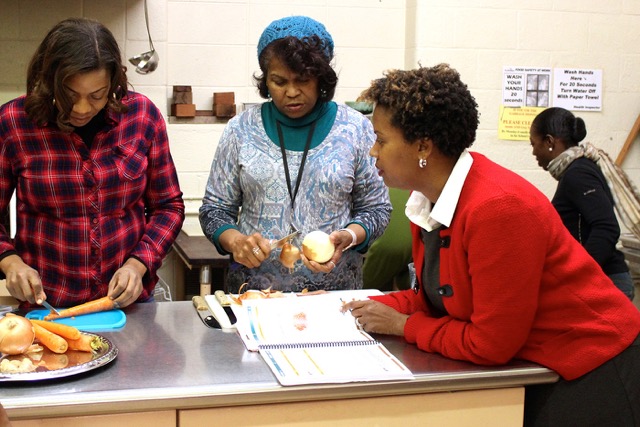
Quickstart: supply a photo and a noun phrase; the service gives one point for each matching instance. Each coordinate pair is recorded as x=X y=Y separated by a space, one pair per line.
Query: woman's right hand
x=251 y=250
x=23 y=282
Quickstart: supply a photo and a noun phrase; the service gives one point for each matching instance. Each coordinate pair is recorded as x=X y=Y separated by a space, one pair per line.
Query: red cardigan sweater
x=522 y=286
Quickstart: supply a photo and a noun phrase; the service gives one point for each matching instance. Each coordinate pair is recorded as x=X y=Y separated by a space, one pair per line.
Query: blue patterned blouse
x=247 y=190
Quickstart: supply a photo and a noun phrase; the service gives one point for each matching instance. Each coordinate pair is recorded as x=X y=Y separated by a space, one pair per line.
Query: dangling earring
x=323 y=93
x=422 y=163
x=54 y=102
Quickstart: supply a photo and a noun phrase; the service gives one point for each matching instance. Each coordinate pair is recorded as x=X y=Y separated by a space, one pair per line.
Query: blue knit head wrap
x=296 y=26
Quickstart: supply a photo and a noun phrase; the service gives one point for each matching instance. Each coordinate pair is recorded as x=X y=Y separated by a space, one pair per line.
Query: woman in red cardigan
x=499 y=277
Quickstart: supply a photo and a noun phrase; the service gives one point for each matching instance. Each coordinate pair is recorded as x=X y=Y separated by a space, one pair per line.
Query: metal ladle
x=147 y=62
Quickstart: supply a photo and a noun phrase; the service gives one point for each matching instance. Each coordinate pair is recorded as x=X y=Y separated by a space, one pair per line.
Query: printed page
x=252 y=329
x=305 y=319
x=337 y=364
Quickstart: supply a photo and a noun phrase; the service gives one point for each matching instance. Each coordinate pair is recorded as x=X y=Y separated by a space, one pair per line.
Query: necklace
x=293 y=193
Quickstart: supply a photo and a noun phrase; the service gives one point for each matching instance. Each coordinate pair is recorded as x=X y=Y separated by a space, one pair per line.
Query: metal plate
x=52 y=365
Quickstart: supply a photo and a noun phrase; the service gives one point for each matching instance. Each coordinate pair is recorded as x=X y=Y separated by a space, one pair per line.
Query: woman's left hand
x=376 y=317
x=316 y=267
x=126 y=284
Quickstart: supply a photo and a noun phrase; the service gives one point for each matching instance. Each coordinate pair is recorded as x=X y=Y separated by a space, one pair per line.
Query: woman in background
x=98 y=201
x=297 y=162
x=499 y=277
x=583 y=197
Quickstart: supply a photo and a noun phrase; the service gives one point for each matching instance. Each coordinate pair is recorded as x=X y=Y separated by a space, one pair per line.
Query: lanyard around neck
x=294 y=193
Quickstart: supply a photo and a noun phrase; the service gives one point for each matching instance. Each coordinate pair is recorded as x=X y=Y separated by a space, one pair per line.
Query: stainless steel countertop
x=168 y=359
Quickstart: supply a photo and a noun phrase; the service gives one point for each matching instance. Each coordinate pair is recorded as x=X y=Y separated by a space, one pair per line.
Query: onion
x=16 y=334
x=317 y=246
x=289 y=255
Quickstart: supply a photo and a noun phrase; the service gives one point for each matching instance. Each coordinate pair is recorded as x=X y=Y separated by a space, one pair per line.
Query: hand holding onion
x=318 y=247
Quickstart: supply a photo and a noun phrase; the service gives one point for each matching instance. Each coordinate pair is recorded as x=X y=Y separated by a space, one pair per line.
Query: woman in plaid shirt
x=98 y=200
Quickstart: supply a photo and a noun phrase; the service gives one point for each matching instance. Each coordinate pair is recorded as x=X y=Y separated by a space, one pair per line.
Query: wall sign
x=525 y=87
x=527 y=90
x=577 y=89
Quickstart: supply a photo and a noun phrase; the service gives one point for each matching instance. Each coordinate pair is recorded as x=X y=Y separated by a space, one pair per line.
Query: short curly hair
x=306 y=57
x=428 y=102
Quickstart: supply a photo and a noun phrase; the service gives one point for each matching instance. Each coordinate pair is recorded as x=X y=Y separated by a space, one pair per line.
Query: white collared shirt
x=419 y=209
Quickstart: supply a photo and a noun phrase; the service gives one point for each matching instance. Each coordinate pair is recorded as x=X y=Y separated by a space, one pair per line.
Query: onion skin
x=317 y=247
x=16 y=334
x=289 y=255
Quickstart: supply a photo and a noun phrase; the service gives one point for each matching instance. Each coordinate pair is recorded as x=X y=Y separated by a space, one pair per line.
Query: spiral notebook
x=307 y=340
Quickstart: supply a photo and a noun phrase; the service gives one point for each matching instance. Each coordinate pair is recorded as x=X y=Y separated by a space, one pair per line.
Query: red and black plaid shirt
x=81 y=213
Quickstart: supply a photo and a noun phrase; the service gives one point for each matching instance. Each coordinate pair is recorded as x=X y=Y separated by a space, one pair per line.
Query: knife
x=279 y=243
x=203 y=311
x=50 y=307
x=225 y=302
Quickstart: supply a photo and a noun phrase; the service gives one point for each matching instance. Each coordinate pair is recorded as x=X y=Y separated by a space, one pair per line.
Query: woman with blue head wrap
x=297 y=162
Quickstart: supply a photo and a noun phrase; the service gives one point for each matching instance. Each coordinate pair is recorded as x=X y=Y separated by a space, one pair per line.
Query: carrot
x=65 y=331
x=86 y=342
x=53 y=342
x=101 y=304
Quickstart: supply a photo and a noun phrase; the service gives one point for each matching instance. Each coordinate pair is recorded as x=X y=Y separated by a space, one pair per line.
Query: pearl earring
x=550 y=148
x=422 y=163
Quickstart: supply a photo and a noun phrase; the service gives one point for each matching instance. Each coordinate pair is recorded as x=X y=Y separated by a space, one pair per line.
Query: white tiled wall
x=211 y=45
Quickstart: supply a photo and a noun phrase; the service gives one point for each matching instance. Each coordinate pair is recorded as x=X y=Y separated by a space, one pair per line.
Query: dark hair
x=428 y=102
x=560 y=124
x=306 y=56
x=73 y=46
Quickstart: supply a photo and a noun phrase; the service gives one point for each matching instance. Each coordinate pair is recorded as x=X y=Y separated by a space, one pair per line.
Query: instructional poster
x=526 y=87
x=528 y=90
x=514 y=123
x=577 y=90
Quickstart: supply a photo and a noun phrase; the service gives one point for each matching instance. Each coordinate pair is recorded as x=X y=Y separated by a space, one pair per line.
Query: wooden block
x=224 y=110
x=181 y=89
x=183 y=98
x=183 y=110
x=224 y=98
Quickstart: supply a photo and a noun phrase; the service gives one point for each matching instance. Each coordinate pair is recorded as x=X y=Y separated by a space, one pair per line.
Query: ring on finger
x=333 y=264
x=256 y=250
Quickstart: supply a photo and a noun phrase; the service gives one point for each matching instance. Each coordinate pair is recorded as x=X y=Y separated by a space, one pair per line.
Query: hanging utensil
x=146 y=62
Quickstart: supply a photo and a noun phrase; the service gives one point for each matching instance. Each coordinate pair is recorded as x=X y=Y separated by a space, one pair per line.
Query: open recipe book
x=307 y=339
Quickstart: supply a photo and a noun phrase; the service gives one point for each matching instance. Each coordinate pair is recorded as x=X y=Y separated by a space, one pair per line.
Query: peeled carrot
x=101 y=304
x=65 y=331
x=53 y=342
x=88 y=343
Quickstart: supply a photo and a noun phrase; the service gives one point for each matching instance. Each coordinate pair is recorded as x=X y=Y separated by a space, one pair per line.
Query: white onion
x=16 y=334
x=317 y=247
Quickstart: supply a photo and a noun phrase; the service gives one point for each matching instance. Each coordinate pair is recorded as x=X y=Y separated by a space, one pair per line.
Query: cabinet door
x=496 y=408
x=135 y=419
